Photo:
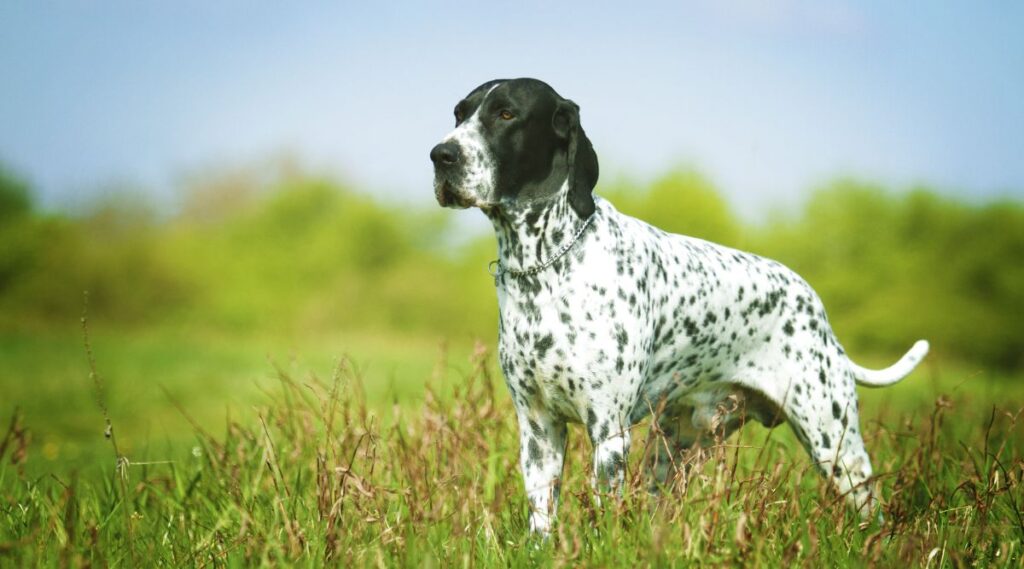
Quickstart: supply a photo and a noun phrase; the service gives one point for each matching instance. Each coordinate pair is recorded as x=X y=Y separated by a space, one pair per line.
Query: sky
x=768 y=99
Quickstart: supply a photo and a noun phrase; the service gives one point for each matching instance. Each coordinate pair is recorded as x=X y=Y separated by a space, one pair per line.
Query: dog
x=605 y=320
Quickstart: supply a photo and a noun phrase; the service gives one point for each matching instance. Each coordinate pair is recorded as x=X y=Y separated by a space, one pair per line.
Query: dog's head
x=515 y=141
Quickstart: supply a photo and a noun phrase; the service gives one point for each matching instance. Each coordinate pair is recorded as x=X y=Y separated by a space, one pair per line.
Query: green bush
x=304 y=254
x=682 y=201
x=895 y=267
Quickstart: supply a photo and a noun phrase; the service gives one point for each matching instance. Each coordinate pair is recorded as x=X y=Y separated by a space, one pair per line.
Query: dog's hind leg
x=824 y=418
x=671 y=436
x=679 y=429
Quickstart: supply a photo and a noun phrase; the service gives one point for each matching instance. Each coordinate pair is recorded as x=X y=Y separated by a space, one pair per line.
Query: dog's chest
x=569 y=346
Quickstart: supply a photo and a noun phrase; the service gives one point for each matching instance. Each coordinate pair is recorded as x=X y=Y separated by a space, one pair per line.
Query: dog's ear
x=580 y=157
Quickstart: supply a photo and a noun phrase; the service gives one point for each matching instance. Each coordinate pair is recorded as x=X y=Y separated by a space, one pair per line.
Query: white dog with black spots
x=604 y=318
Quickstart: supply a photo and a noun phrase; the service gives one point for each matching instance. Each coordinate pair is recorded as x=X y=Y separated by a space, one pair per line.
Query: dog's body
x=605 y=319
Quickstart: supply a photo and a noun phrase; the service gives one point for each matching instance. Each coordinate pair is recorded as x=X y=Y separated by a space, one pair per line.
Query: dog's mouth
x=448 y=196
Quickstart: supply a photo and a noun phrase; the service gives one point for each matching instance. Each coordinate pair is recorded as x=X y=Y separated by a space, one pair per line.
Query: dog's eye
x=506 y=115
x=458 y=115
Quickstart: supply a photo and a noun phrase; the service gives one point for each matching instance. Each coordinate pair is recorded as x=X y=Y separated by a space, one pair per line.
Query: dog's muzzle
x=447 y=196
x=447 y=159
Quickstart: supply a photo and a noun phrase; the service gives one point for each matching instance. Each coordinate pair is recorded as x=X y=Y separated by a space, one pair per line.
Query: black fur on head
x=582 y=160
x=516 y=141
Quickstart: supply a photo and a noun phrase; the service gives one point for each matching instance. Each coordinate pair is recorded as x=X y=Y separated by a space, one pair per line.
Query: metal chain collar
x=497 y=271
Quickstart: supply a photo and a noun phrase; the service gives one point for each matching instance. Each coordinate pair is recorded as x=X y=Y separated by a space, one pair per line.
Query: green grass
x=46 y=376
x=267 y=451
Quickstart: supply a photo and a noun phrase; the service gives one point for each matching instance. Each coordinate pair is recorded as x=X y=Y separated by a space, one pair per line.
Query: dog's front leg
x=611 y=450
x=541 y=456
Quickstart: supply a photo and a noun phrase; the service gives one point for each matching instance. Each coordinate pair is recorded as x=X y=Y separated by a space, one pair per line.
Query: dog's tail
x=893 y=373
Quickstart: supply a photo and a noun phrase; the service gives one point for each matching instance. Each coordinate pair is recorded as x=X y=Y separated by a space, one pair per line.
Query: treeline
x=299 y=253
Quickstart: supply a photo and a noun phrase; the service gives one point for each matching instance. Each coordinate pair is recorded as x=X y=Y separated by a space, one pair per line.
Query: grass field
x=404 y=453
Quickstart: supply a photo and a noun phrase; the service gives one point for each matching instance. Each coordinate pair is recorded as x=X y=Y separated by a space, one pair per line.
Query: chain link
x=497 y=271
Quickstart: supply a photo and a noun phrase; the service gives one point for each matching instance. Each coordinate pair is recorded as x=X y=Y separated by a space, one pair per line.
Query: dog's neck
x=532 y=233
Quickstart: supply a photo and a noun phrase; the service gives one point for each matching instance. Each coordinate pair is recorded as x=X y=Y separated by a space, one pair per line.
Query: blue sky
x=766 y=98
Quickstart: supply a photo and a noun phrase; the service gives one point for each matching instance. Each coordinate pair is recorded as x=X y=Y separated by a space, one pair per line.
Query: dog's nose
x=445 y=154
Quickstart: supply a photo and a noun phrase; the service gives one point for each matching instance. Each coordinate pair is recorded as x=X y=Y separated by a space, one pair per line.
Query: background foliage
x=298 y=253
x=211 y=330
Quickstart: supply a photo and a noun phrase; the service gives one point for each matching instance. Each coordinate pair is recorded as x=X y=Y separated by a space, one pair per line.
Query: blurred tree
x=895 y=267
x=299 y=253
x=15 y=249
x=682 y=201
x=15 y=196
